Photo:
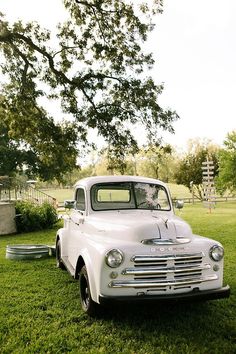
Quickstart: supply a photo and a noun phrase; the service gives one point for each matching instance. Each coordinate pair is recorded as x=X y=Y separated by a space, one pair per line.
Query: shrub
x=32 y=217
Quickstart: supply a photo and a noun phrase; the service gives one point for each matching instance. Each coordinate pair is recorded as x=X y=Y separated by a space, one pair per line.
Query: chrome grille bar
x=154 y=258
x=167 y=270
x=157 y=284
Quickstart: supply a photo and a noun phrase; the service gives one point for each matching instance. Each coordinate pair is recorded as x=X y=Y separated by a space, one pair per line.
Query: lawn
x=60 y=194
x=40 y=310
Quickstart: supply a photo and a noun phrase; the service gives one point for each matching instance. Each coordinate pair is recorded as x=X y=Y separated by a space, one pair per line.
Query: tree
x=11 y=157
x=96 y=70
x=227 y=164
x=154 y=161
x=109 y=161
x=44 y=149
x=150 y=161
x=189 y=171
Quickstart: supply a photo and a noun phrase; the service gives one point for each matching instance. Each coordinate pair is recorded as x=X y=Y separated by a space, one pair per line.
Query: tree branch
x=100 y=27
x=85 y=3
x=63 y=49
x=27 y=63
x=75 y=82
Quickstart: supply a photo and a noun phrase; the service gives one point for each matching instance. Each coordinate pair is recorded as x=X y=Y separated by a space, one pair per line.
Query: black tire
x=59 y=262
x=88 y=305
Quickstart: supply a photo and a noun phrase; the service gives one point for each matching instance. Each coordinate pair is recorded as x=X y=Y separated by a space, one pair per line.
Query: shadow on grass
x=197 y=322
x=158 y=310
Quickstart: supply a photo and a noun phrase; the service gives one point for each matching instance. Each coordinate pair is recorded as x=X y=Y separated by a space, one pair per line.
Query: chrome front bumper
x=195 y=294
x=139 y=284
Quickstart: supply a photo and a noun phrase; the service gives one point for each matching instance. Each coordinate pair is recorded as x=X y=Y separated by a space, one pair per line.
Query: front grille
x=167 y=267
x=167 y=272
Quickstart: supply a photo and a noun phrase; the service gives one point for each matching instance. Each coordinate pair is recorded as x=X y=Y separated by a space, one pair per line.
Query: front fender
x=93 y=270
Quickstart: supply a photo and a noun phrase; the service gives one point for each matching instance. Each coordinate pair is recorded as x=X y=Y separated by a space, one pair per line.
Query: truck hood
x=138 y=225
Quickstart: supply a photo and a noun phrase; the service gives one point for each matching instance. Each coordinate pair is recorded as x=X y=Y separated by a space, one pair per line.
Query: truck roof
x=90 y=181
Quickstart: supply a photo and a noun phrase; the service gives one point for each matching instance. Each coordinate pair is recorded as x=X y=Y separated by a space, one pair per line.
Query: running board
x=68 y=266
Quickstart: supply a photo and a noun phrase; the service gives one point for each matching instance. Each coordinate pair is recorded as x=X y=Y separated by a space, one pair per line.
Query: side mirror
x=69 y=204
x=179 y=204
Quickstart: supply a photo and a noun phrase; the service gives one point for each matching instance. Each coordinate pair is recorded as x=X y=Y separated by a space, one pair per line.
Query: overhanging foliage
x=96 y=69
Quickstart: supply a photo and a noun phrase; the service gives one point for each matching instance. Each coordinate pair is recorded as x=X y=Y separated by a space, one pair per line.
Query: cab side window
x=80 y=199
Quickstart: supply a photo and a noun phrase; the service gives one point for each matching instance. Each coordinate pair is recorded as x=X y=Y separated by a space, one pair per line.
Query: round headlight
x=216 y=253
x=114 y=258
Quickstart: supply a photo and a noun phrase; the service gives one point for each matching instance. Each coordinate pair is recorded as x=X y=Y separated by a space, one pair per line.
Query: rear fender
x=61 y=235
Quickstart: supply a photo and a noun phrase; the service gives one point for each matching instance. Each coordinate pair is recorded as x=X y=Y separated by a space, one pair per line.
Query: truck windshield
x=129 y=195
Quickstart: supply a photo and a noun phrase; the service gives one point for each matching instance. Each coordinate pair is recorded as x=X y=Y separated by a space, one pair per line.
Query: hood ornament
x=165 y=222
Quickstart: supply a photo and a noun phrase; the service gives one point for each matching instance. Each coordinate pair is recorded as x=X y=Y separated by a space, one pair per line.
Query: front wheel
x=88 y=305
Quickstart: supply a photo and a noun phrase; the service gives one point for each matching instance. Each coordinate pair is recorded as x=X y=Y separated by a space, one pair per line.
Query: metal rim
x=85 y=292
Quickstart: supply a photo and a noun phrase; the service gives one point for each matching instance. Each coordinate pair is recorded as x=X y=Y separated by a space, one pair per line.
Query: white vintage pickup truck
x=123 y=241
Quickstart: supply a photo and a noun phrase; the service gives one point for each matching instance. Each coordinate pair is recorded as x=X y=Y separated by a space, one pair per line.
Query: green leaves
x=33 y=217
x=189 y=171
x=96 y=69
x=227 y=164
x=31 y=140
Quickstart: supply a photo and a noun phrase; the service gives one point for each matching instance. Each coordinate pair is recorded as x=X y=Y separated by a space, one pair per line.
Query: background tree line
x=160 y=162
x=96 y=68
x=168 y=165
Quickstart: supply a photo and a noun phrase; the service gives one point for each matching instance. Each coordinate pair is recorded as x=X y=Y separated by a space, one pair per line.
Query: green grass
x=60 y=194
x=40 y=310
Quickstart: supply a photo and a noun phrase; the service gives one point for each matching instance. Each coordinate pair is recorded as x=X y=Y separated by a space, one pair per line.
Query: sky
x=194 y=46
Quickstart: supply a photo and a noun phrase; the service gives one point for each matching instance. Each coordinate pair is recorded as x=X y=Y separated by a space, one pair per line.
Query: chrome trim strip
x=155 y=284
x=163 y=270
x=158 y=241
x=153 y=258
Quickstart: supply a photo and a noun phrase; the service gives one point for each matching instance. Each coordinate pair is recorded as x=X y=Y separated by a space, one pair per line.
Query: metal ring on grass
x=27 y=252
